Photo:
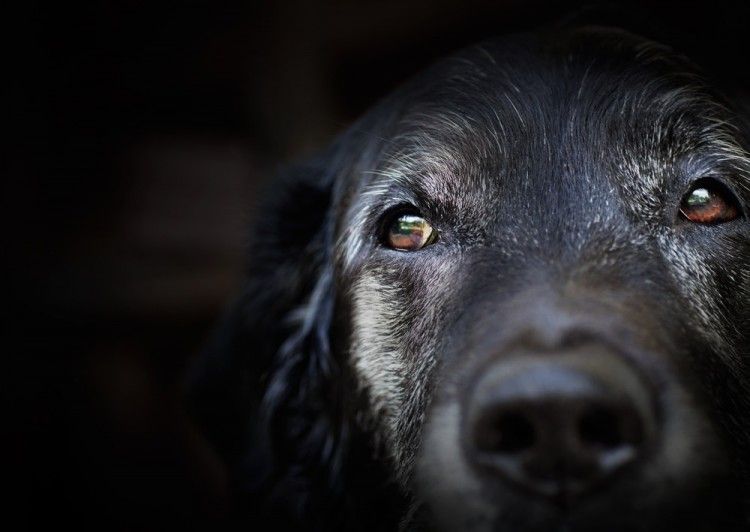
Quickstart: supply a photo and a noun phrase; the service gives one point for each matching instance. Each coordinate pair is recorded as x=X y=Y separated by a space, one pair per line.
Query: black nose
x=558 y=428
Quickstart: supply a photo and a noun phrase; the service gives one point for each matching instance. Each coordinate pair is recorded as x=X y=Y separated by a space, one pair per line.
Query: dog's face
x=543 y=279
x=520 y=289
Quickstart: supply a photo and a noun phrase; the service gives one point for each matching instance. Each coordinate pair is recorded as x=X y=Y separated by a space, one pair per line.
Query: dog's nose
x=558 y=428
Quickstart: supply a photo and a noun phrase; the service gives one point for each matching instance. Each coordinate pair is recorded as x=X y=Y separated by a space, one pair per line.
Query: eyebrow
x=425 y=177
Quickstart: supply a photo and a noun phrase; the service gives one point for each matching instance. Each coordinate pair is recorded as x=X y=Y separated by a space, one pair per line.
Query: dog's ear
x=267 y=390
x=270 y=355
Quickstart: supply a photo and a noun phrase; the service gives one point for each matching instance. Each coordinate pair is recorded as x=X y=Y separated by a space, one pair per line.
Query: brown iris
x=708 y=202
x=409 y=232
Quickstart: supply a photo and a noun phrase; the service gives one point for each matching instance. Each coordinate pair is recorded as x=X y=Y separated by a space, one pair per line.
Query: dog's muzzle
x=558 y=424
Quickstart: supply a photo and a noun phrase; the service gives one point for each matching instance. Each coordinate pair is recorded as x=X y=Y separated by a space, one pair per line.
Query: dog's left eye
x=709 y=202
x=409 y=232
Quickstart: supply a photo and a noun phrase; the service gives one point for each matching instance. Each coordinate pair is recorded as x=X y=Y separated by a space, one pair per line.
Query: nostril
x=598 y=427
x=506 y=432
x=516 y=433
x=607 y=429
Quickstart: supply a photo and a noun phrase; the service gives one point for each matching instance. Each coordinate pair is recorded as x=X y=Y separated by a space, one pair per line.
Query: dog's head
x=524 y=281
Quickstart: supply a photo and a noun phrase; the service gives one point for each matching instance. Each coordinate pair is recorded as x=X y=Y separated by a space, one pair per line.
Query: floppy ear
x=263 y=392
x=268 y=390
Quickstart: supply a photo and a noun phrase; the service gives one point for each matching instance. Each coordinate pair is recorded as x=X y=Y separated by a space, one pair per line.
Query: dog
x=513 y=296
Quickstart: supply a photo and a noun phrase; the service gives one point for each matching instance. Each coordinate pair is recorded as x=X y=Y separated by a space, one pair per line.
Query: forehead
x=590 y=112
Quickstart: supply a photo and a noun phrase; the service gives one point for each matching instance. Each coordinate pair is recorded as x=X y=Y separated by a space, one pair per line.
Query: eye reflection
x=709 y=202
x=409 y=232
x=699 y=196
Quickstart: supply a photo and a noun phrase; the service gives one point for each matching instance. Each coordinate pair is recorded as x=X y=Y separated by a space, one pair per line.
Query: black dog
x=515 y=296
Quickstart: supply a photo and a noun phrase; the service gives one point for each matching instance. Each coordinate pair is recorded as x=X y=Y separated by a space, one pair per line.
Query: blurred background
x=141 y=133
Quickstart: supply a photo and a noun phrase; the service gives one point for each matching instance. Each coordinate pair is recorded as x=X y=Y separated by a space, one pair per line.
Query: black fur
x=276 y=392
x=269 y=390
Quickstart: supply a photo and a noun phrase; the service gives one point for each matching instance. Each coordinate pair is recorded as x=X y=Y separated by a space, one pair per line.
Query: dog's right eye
x=409 y=232
x=709 y=202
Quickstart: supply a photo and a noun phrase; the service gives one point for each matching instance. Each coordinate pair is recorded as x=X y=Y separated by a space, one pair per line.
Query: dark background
x=138 y=136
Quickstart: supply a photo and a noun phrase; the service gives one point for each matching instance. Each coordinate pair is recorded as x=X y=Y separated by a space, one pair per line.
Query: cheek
x=377 y=347
x=396 y=332
x=697 y=282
